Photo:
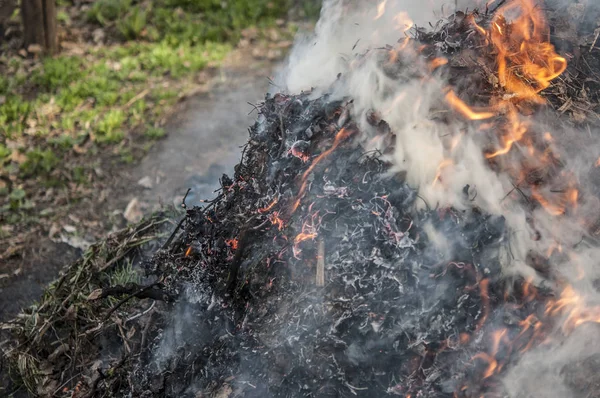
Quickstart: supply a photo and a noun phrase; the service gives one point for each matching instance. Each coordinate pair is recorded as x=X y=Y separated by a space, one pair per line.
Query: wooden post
x=39 y=24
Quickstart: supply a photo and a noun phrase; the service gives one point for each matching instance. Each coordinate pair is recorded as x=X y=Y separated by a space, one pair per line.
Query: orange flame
x=465 y=110
x=437 y=62
x=575 y=308
x=340 y=136
x=269 y=207
x=527 y=62
x=301 y=237
x=276 y=220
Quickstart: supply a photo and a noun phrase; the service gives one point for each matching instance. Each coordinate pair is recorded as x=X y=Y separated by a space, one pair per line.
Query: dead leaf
x=225 y=392
x=133 y=212
x=95 y=295
x=145 y=182
x=54 y=230
x=34 y=49
x=98 y=36
x=75 y=241
x=17 y=157
x=61 y=349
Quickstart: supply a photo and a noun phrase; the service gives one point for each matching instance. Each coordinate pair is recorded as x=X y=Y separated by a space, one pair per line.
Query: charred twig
x=172 y=236
x=255 y=108
x=139 y=292
x=595 y=40
x=320 y=278
x=183 y=205
x=283 y=135
x=272 y=83
x=99 y=376
x=496 y=7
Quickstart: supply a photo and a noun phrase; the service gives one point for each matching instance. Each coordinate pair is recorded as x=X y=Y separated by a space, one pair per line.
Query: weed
x=13 y=113
x=4 y=153
x=154 y=133
x=105 y=11
x=63 y=142
x=59 y=72
x=126 y=156
x=108 y=129
x=4 y=85
x=17 y=198
x=63 y=17
x=79 y=175
x=124 y=274
x=132 y=25
x=39 y=162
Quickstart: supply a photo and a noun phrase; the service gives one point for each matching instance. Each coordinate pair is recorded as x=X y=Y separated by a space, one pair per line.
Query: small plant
x=15 y=109
x=105 y=11
x=59 y=72
x=132 y=25
x=109 y=128
x=39 y=162
x=124 y=274
x=63 y=142
x=126 y=156
x=155 y=133
x=79 y=175
x=17 y=198
x=4 y=85
x=4 y=153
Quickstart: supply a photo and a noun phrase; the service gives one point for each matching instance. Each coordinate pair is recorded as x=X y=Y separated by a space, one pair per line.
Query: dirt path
x=203 y=142
x=206 y=141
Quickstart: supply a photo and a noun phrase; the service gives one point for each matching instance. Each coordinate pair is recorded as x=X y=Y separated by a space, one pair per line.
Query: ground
x=203 y=141
x=76 y=153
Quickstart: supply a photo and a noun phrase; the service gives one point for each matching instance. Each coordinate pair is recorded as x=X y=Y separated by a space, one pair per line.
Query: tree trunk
x=50 y=26
x=33 y=22
x=39 y=24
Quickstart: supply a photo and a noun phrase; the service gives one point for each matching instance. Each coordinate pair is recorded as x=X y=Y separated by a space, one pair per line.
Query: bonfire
x=423 y=225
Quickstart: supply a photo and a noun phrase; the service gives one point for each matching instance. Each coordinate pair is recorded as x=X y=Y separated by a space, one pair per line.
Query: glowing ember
x=233 y=243
x=301 y=237
x=269 y=207
x=339 y=138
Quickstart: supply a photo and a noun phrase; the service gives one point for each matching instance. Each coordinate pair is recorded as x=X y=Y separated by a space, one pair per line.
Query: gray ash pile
x=312 y=274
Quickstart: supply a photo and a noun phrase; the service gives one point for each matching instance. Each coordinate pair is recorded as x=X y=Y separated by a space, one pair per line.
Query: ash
x=394 y=310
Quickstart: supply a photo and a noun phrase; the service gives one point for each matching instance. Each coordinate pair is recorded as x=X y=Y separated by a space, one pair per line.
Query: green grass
x=192 y=21
x=110 y=97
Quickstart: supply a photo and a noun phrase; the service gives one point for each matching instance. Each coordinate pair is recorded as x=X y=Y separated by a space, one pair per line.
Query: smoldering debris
x=318 y=270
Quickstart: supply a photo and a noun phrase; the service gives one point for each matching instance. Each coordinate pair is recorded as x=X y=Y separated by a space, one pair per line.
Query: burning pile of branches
x=320 y=271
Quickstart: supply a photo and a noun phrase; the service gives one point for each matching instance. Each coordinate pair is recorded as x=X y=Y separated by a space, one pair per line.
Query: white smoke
x=423 y=142
x=407 y=104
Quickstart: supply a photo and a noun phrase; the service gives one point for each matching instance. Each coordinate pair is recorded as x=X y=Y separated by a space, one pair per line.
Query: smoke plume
x=341 y=58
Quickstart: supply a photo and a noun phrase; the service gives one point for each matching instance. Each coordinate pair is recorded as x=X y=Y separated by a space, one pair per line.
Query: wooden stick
x=320 y=280
x=595 y=39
